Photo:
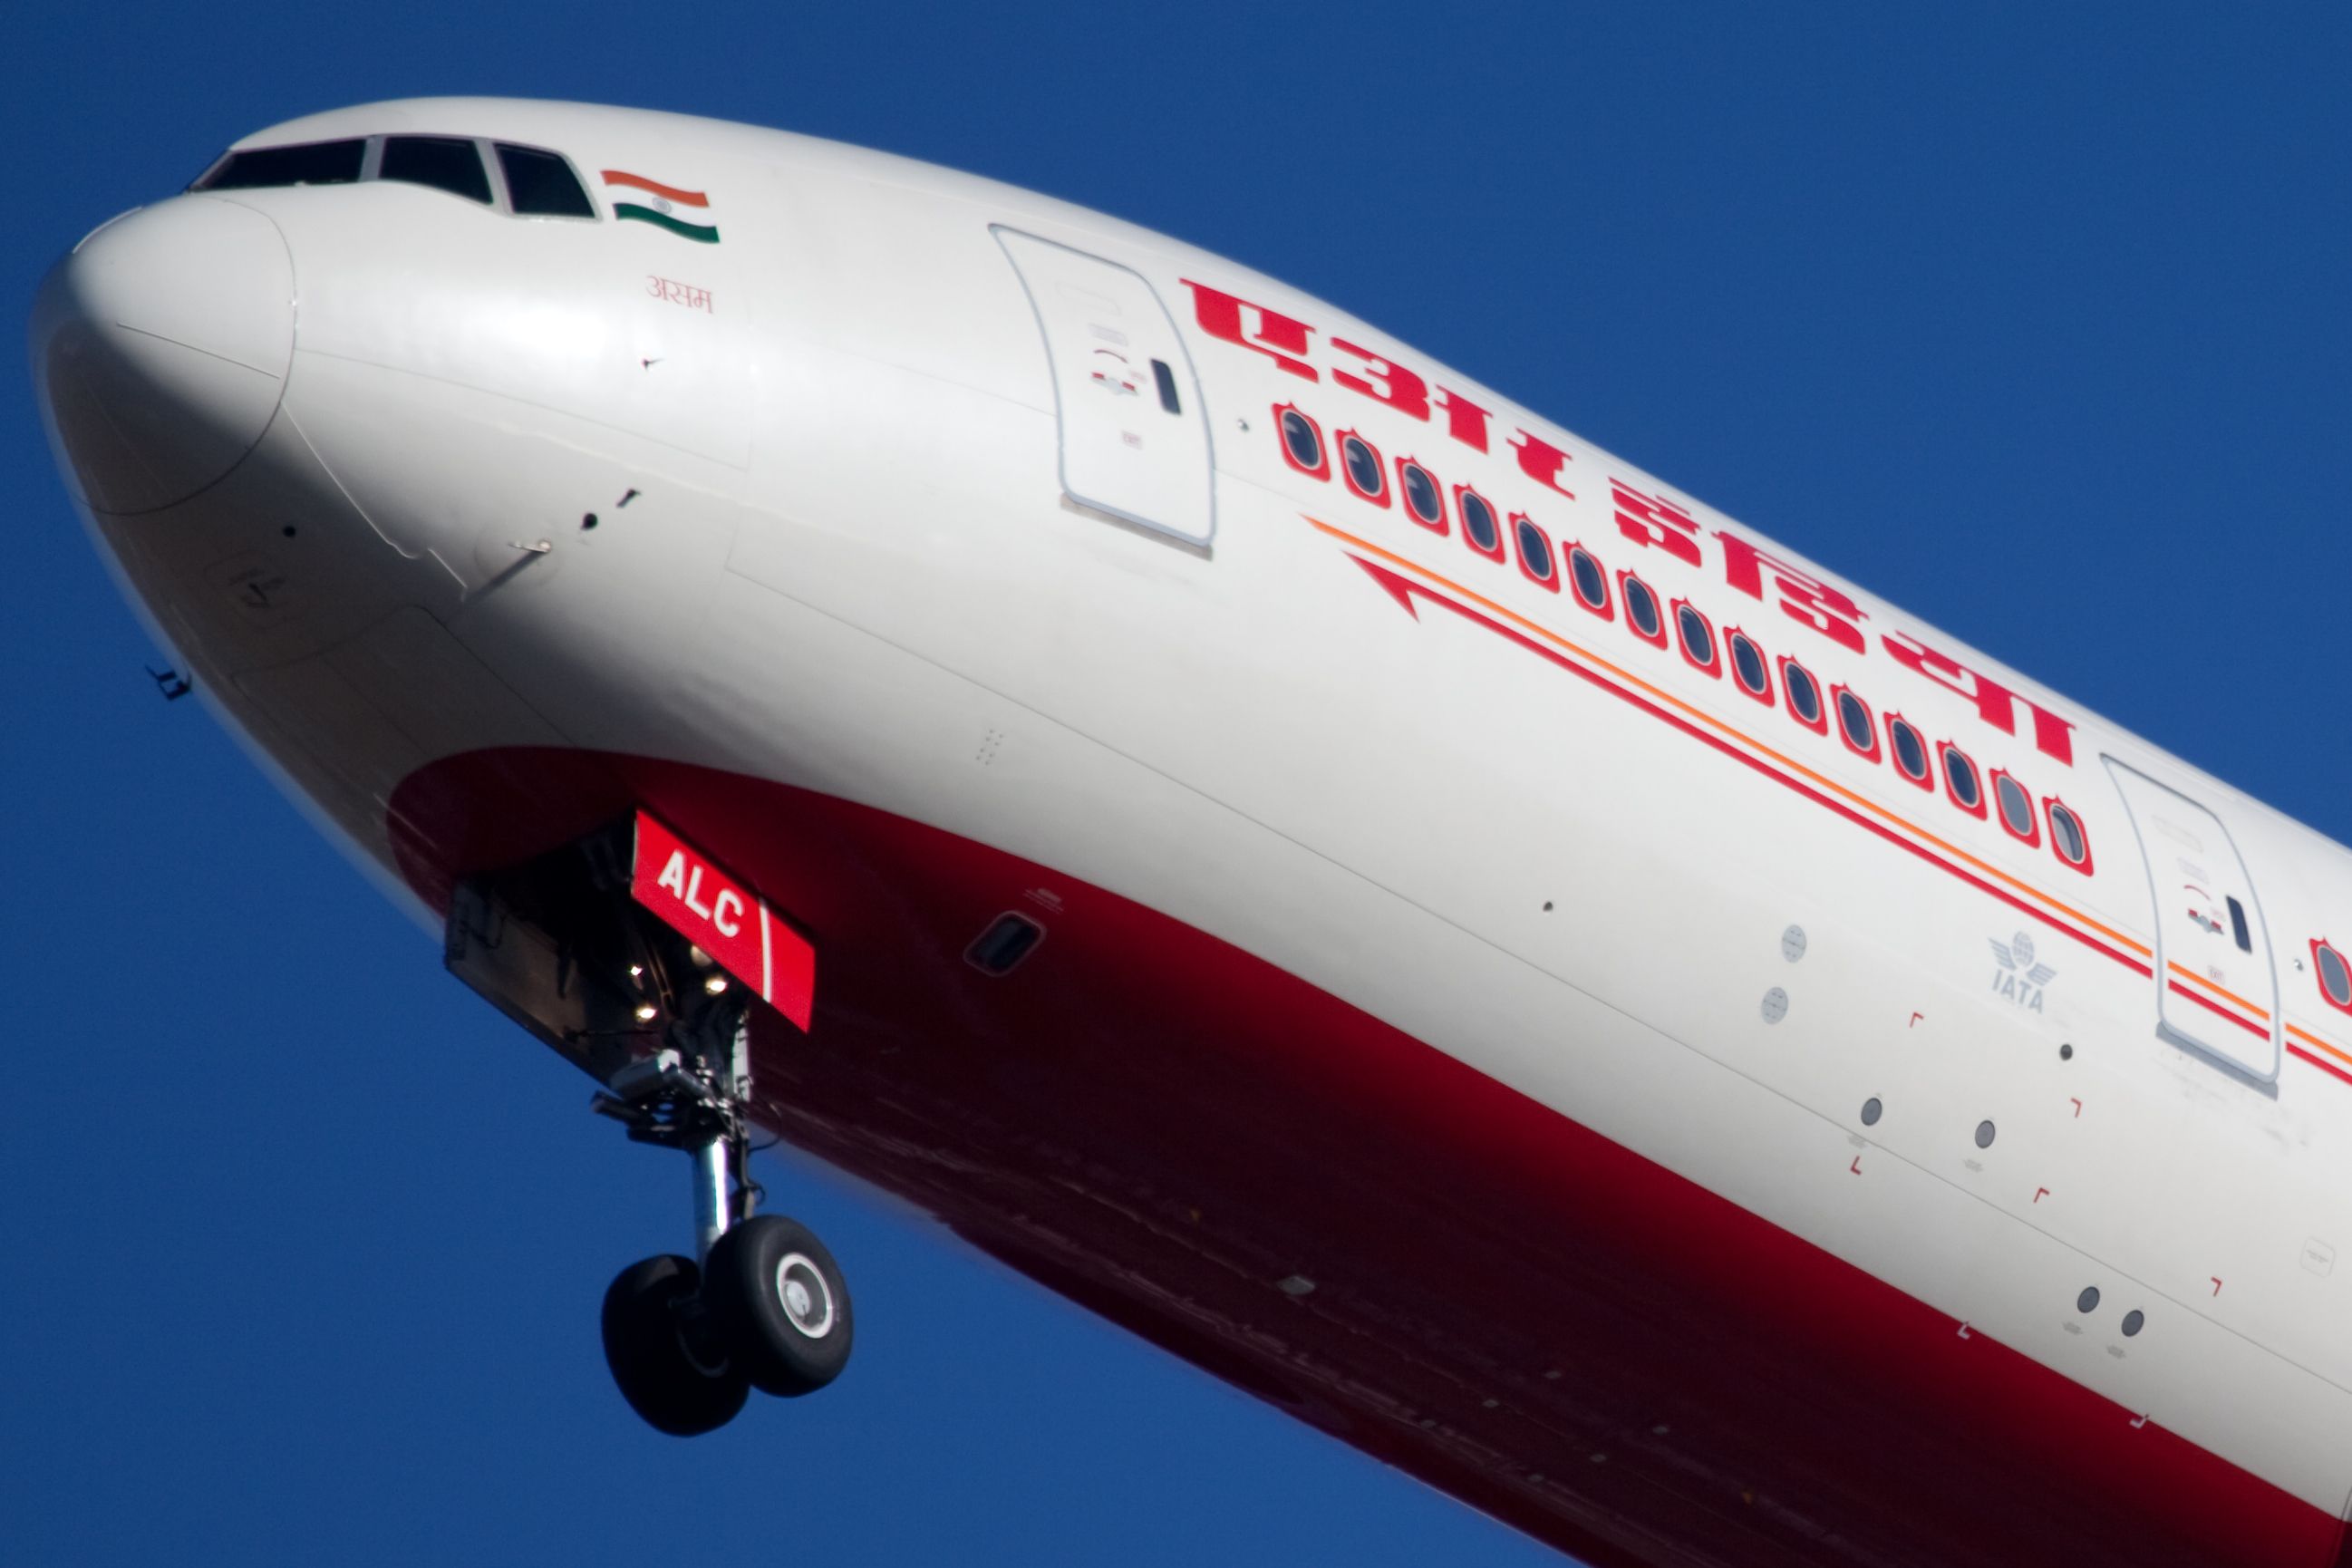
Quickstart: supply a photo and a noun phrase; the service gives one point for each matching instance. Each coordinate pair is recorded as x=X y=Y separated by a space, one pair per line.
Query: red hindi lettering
x=1279 y=338
x=1653 y=520
x=1465 y=420
x=1541 y=461
x=1996 y=704
x=1804 y=596
x=1391 y=382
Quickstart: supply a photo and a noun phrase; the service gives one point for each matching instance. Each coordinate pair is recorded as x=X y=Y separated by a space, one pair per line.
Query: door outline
x=1197 y=415
x=2172 y=1020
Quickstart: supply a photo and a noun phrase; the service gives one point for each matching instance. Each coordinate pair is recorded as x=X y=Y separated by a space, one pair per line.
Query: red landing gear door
x=722 y=916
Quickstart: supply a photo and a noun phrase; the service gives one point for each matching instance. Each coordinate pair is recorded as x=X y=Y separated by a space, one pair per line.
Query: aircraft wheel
x=679 y=1387
x=779 y=1304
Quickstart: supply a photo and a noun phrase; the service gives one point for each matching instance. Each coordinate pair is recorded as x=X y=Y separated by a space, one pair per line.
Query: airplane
x=1293 y=851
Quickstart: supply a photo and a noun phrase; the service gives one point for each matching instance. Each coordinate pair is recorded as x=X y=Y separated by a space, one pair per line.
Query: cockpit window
x=539 y=184
x=313 y=164
x=445 y=162
x=543 y=184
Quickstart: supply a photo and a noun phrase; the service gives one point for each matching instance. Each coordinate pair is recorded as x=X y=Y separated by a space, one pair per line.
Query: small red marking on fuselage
x=2078 y=1106
x=676 y=293
x=2039 y=1193
x=1915 y=1020
x=1857 y=1166
x=2217 y=1283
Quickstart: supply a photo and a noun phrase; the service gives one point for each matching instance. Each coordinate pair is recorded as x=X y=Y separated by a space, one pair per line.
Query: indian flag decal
x=650 y=201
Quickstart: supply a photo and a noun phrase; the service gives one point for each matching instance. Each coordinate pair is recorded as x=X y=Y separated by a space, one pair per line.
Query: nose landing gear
x=767 y=1306
x=565 y=946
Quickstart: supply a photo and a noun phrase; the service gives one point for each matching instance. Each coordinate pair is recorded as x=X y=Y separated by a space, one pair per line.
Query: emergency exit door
x=1134 y=438
x=2216 y=986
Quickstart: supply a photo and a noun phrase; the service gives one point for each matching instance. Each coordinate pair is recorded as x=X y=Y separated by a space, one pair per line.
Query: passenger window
x=2066 y=836
x=1591 y=587
x=2335 y=977
x=2016 y=810
x=1961 y=780
x=1642 y=609
x=313 y=164
x=1362 y=466
x=447 y=164
x=541 y=185
x=1853 y=724
x=1420 y=496
x=1480 y=527
x=1302 y=441
x=1804 y=695
x=1910 y=751
x=1535 y=552
x=1748 y=665
x=1697 y=638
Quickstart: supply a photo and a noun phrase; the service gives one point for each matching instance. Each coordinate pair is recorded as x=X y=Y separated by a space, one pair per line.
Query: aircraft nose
x=160 y=348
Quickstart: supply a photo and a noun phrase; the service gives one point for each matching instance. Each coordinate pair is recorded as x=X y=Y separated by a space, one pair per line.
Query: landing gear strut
x=565 y=946
x=763 y=1305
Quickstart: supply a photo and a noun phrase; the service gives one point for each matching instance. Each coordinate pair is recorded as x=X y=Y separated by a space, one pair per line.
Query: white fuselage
x=892 y=506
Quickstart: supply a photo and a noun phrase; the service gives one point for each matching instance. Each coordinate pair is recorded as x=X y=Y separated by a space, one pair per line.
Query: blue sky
x=2032 y=319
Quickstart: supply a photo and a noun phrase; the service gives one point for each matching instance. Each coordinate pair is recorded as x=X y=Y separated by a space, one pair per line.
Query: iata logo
x=2019 y=978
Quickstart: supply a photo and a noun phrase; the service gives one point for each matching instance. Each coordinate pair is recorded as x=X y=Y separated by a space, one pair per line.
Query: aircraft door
x=2216 y=985
x=1134 y=436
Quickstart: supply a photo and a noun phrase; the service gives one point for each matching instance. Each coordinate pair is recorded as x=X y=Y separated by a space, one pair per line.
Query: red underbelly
x=1356 y=1227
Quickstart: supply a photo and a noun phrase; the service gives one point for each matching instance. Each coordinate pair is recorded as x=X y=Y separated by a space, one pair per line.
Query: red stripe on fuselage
x=2216 y=1008
x=2326 y=1067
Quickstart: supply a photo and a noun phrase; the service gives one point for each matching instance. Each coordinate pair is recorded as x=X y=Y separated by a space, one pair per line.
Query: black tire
x=779 y=1302
x=648 y=1345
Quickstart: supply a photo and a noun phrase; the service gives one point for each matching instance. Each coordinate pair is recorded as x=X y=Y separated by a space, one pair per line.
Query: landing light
x=648 y=1012
x=715 y=984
